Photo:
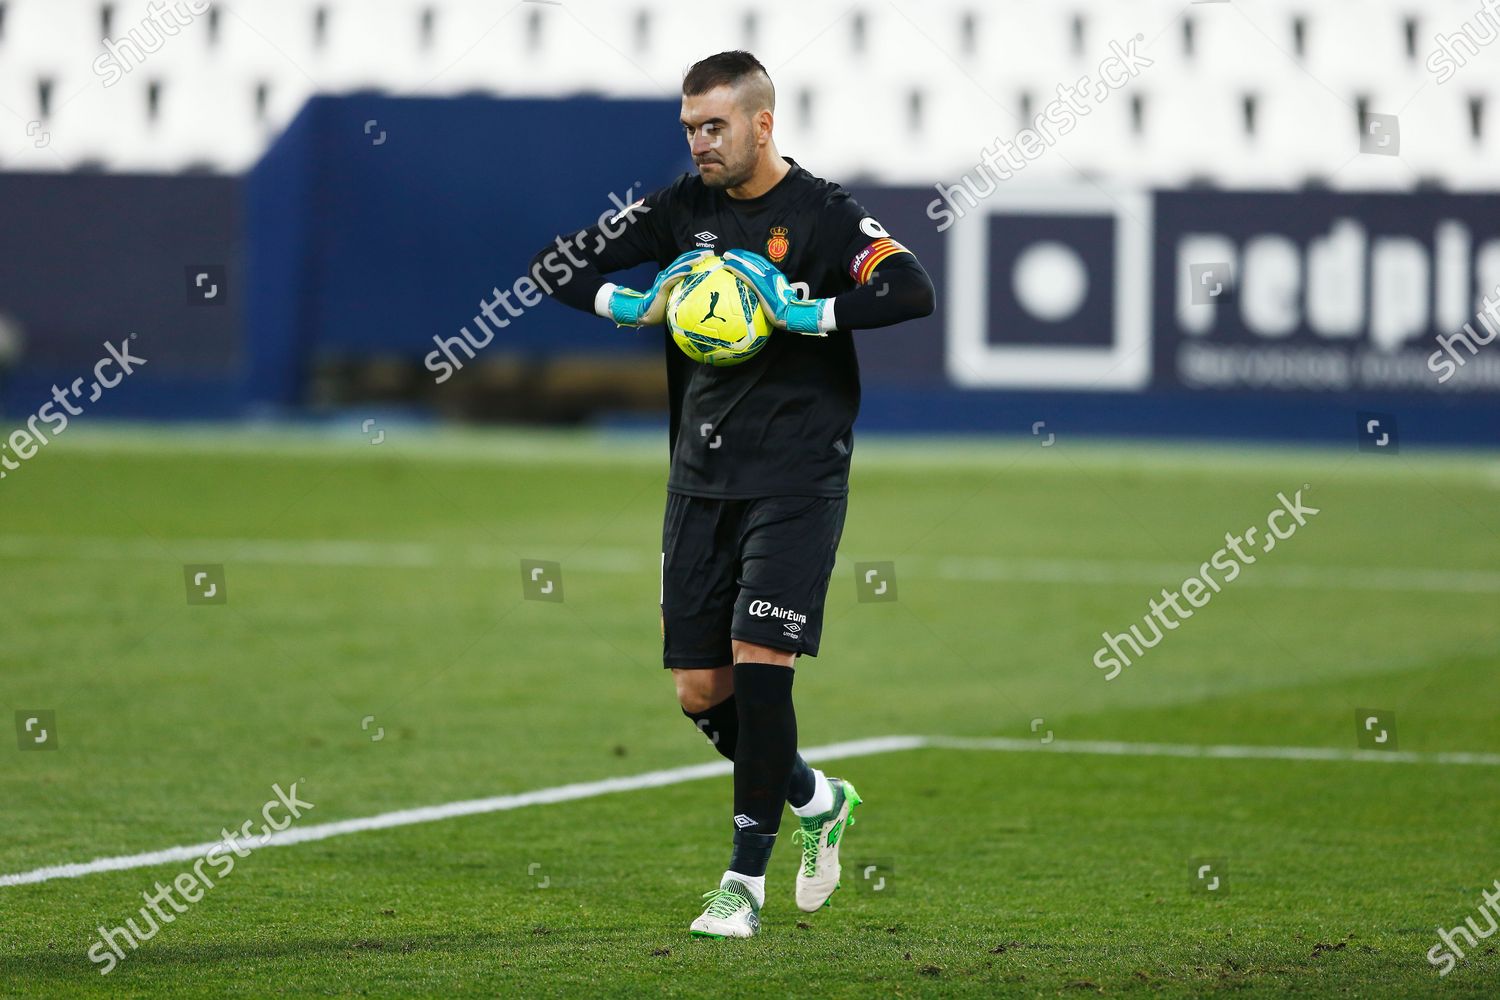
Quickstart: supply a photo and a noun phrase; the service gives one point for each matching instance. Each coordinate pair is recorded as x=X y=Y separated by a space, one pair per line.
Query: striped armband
x=862 y=267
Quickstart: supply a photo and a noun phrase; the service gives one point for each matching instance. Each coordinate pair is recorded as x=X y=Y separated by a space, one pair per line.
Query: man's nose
x=701 y=144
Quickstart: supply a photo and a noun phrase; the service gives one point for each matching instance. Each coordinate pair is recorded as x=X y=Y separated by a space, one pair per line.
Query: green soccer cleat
x=821 y=837
x=731 y=912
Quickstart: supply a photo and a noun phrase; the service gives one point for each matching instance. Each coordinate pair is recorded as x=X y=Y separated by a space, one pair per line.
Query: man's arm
x=893 y=286
x=898 y=289
x=572 y=269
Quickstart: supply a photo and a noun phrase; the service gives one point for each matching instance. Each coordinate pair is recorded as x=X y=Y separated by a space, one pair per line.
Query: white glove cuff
x=826 y=322
x=601 y=300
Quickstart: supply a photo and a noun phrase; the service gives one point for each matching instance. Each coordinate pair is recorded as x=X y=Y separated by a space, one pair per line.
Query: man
x=760 y=452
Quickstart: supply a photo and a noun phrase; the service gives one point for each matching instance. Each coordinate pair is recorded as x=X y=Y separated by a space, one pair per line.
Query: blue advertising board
x=1197 y=313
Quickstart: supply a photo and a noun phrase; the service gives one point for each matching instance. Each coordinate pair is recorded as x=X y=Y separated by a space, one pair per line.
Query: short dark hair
x=725 y=69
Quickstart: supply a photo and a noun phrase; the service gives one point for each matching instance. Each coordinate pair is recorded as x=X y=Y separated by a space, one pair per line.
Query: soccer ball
x=715 y=317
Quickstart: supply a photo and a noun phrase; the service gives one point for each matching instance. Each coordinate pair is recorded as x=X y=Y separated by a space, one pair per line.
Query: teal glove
x=786 y=310
x=649 y=308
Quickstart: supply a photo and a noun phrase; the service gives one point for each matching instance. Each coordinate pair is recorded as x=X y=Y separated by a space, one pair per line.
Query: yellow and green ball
x=715 y=317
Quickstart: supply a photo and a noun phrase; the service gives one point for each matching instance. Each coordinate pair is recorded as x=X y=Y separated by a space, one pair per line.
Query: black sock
x=799 y=791
x=721 y=724
x=752 y=853
x=763 y=761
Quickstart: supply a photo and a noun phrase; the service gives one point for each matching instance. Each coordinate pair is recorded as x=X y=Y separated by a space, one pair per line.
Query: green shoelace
x=810 y=834
x=722 y=903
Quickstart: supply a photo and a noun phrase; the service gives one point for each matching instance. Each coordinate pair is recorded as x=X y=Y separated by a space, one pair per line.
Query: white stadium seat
x=902 y=90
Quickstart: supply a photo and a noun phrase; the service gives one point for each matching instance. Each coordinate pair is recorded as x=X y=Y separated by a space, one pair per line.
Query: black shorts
x=754 y=570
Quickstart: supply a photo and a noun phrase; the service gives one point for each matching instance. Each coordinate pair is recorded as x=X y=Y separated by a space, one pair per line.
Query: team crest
x=778 y=245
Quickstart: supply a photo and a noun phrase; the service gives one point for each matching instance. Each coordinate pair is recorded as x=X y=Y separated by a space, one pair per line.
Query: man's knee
x=749 y=652
x=700 y=690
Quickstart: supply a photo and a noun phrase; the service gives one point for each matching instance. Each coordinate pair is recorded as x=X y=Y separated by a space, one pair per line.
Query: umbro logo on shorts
x=742 y=821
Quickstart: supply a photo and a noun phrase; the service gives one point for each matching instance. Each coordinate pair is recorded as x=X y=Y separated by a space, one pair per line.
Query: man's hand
x=786 y=310
x=631 y=308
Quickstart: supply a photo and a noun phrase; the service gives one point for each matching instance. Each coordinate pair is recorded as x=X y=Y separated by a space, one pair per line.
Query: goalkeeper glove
x=785 y=308
x=631 y=308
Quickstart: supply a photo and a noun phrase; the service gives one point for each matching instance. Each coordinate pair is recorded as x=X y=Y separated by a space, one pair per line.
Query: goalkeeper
x=760 y=452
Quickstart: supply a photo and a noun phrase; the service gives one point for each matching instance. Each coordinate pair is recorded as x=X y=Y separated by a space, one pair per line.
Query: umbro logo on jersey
x=743 y=822
x=705 y=239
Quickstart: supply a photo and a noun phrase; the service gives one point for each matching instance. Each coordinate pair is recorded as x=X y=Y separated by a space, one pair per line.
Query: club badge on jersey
x=778 y=244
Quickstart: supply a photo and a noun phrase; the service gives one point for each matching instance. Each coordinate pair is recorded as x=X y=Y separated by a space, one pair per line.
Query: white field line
x=425 y=555
x=1109 y=748
x=900 y=453
x=1150 y=574
x=679 y=775
x=469 y=807
x=294 y=552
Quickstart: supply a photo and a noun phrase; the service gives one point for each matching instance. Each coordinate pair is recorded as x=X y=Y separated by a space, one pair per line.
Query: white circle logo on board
x=873 y=229
x=1050 y=280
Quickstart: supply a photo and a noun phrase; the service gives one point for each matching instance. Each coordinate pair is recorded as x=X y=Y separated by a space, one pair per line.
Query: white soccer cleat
x=821 y=837
x=731 y=912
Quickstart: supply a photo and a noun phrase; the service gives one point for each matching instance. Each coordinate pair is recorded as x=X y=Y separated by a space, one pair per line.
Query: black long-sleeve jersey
x=781 y=423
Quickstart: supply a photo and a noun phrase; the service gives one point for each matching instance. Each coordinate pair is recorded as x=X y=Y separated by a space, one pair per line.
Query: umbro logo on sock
x=744 y=822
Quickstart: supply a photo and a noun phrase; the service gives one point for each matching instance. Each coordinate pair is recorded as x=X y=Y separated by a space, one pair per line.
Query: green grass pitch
x=385 y=581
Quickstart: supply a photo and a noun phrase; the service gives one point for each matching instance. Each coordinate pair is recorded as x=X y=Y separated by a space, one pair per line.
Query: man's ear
x=764 y=123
